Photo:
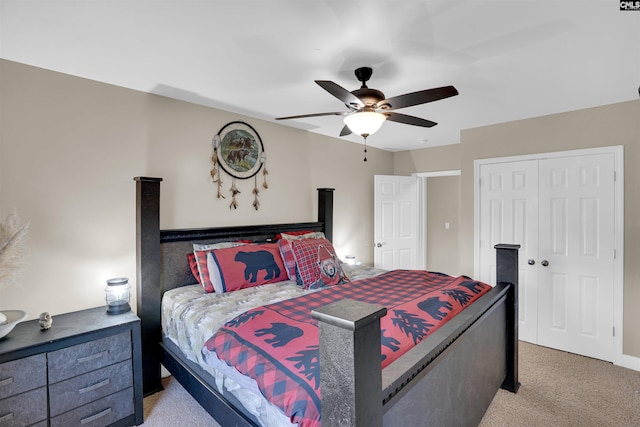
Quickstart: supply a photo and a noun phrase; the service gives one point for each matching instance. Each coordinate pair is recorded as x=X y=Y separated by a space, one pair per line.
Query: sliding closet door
x=576 y=276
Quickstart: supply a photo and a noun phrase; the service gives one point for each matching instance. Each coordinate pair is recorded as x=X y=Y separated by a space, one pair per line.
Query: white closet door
x=509 y=214
x=577 y=241
x=561 y=211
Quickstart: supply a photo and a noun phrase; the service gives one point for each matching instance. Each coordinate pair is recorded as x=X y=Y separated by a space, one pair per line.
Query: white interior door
x=509 y=214
x=577 y=243
x=561 y=211
x=396 y=225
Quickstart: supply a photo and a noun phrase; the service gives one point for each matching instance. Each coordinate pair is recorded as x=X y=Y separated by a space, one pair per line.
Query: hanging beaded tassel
x=234 y=191
x=220 y=195
x=265 y=172
x=215 y=172
x=256 y=192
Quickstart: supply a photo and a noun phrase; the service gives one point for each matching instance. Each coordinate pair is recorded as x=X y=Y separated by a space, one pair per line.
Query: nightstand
x=86 y=370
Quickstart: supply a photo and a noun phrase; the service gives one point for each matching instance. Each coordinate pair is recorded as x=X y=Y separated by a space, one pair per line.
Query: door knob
x=531 y=262
x=379 y=245
x=544 y=263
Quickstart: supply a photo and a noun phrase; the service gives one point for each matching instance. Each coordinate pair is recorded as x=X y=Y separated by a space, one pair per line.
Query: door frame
x=422 y=210
x=618 y=263
x=422 y=214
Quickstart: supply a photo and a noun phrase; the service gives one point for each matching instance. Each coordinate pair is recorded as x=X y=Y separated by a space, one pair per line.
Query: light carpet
x=557 y=389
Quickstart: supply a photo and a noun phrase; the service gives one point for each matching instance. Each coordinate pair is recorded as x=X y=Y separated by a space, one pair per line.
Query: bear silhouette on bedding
x=256 y=261
x=474 y=287
x=282 y=334
x=433 y=307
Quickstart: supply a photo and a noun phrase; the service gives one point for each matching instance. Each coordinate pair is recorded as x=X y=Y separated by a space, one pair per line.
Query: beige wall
x=70 y=147
x=617 y=124
x=443 y=206
x=442 y=158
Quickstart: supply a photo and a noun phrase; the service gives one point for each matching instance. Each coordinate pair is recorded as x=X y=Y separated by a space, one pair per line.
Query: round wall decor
x=239 y=152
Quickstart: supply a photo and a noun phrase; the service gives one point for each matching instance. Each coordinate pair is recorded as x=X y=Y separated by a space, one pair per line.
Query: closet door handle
x=531 y=262
x=544 y=263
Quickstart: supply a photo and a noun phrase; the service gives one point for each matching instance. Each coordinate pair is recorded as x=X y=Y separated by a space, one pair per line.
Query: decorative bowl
x=13 y=318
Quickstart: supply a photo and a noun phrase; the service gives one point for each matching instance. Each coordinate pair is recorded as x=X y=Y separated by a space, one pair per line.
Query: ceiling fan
x=368 y=108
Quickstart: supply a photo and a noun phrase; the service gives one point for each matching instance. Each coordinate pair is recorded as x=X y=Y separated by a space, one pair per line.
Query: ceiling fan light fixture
x=364 y=122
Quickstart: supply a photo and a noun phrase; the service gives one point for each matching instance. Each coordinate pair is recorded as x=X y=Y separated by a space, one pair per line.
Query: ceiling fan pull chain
x=365 y=146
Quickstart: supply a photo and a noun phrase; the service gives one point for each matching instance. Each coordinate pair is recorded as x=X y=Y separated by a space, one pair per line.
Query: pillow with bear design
x=317 y=265
x=242 y=267
x=200 y=252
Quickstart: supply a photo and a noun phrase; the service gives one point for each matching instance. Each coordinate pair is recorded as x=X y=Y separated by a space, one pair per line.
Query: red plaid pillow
x=193 y=265
x=245 y=267
x=317 y=264
x=284 y=242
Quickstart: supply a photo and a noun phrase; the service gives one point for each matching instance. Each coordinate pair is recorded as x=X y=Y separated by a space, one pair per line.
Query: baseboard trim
x=630 y=362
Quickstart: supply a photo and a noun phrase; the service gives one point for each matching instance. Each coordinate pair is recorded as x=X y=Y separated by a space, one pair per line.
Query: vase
x=13 y=317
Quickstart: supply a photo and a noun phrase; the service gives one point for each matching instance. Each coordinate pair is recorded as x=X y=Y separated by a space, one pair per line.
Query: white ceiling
x=508 y=59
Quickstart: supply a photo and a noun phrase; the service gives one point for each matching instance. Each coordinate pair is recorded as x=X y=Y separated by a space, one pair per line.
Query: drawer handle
x=93 y=356
x=6 y=381
x=94 y=386
x=6 y=417
x=95 y=416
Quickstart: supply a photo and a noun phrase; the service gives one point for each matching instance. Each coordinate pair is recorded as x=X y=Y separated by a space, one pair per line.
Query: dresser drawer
x=22 y=375
x=24 y=409
x=98 y=413
x=85 y=388
x=81 y=358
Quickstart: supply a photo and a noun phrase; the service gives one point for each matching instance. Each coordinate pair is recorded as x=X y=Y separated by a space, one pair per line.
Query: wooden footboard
x=450 y=378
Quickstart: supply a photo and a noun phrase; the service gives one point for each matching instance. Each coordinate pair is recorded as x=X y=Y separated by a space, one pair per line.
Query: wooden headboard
x=162 y=260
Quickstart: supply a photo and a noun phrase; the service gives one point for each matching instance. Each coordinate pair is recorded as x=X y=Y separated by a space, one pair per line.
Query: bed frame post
x=350 y=368
x=148 y=280
x=325 y=211
x=507 y=272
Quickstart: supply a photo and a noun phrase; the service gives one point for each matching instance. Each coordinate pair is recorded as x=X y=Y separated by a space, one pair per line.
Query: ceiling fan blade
x=416 y=98
x=345 y=131
x=409 y=120
x=302 y=116
x=341 y=93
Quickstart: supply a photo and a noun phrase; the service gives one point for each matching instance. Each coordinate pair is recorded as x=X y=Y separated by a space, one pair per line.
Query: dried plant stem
x=12 y=239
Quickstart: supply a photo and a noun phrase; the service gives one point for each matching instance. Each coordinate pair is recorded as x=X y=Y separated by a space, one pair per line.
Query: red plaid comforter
x=277 y=344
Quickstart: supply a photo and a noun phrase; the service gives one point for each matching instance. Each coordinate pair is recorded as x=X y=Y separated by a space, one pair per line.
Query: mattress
x=190 y=316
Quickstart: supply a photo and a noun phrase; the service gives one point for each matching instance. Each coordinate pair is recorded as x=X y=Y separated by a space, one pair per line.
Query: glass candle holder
x=117 y=295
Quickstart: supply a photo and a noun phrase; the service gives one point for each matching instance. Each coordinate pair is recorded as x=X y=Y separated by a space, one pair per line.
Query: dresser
x=84 y=371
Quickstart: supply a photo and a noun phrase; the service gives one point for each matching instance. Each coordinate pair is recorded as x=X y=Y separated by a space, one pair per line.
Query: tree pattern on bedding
x=277 y=344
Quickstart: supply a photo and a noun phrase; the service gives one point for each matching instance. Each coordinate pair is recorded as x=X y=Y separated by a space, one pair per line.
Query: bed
x=447 y=378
